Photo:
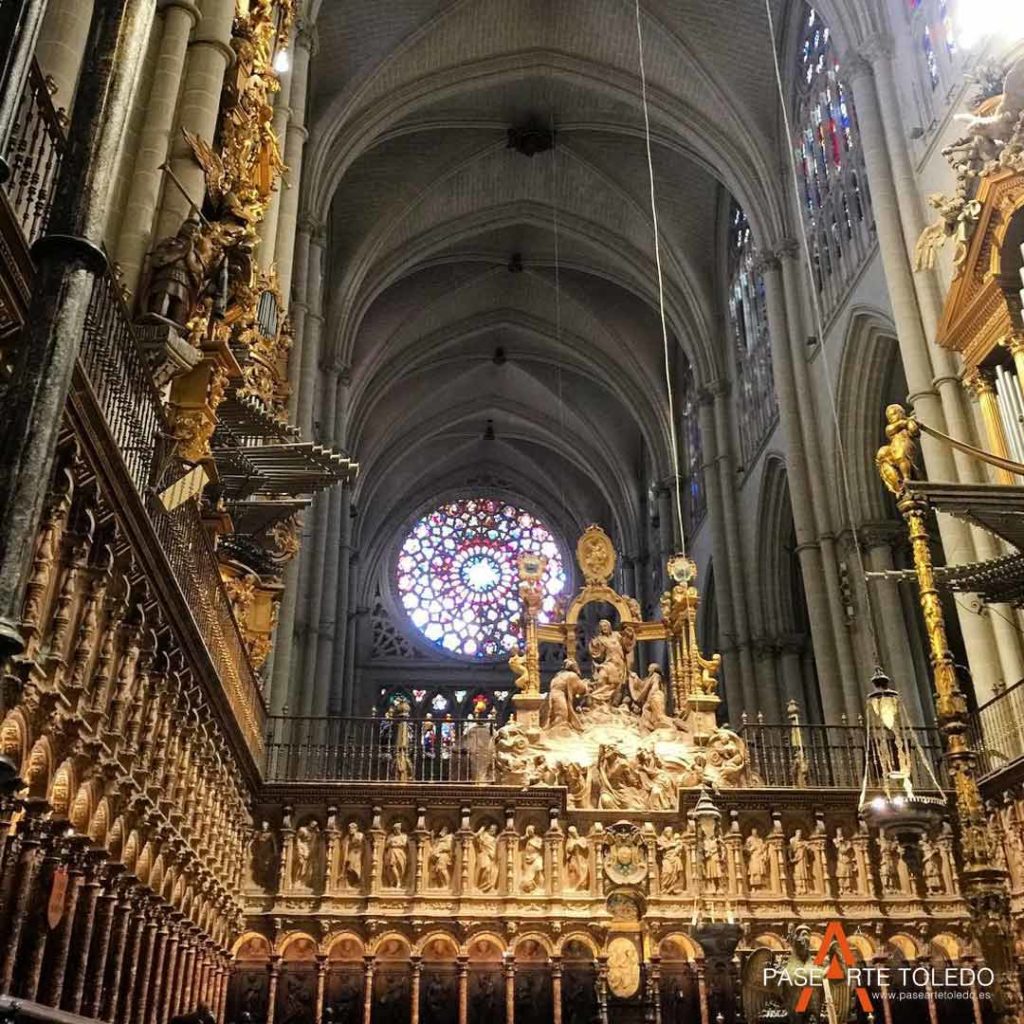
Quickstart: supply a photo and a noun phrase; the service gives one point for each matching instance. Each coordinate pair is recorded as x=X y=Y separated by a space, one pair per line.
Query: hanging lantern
x=896 y=770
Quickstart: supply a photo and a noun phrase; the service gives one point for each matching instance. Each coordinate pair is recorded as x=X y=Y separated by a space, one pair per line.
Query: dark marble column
x=21 y=898
x=141 y=990
x=125 y=993
x=53 y=983
x=85 y=928
x=154 y=1001
x=163 y=1008
x=68 y=261
x=122 y=913
x=103 y=929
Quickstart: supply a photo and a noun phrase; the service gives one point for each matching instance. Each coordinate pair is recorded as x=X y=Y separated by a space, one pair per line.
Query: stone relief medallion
x=623 y=967
x=596 y=556
x=625 y=906
x=625 y=859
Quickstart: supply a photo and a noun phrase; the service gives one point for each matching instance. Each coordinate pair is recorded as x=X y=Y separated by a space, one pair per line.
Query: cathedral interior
x=512 y=511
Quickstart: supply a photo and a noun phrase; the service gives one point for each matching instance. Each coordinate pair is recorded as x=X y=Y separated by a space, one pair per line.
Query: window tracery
x=748 y=314
x=457 y=575
x=835 y=203
x=934 y=37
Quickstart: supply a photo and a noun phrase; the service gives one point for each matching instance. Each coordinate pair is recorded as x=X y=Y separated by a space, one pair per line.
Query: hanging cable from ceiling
x=844 y=472
x=673 y=432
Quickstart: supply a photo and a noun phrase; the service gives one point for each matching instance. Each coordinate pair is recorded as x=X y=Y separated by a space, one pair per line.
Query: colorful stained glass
x=929 y=56
x=457 y=574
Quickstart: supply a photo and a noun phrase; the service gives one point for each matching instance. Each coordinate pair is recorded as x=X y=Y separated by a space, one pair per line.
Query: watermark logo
x=835 y=948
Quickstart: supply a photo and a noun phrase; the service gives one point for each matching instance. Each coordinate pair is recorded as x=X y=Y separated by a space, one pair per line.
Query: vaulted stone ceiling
x=425 y=207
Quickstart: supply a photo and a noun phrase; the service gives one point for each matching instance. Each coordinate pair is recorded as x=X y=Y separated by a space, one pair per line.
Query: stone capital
x=876 y=47
x=855 y=65
x=188 y=6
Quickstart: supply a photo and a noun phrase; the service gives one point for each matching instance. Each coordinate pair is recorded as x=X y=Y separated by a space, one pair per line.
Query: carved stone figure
x=610 y=651
x=847 y=869
x=670 y=845
x=566 y=687
x=801 y=859
x=931 y=867
x=442 y=858
x=888 y=872
x=486 y=871
x=619 y=781
x=756 y=850
x=577 y=860
x=352 y=855
x=396 y=857
x=265 y=853
x=532 y=873
x=307 y=853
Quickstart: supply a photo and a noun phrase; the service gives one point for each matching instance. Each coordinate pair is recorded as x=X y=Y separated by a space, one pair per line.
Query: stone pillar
x=830 y=677
x=209 y=56
x=294 y=144
x=274 y=968
x=735 y=564
x=509 y=968
x=15 y=62
x=166 y=1004
x=141 y=998
x=68 y=260
x=462 y=965
x=416 y=964
x=61 y=46
x=367 y=989
x=306 y=384
x=180 y=17
x=940 y=464
x=556 y=990
x=298 y=307
x=702 y=991
x=340 y=680
x=732 y=676
x=177 y=993
x=155 y=999
x=321 y=984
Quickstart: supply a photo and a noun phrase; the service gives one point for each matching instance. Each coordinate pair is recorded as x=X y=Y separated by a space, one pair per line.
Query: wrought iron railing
x=830 y=756
x=114 y=367
x=379 y=750
x=998 y=730
x=34 y=153
x=460 y=750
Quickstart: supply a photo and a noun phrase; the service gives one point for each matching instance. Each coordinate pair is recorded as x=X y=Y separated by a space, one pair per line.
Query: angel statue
x=895 y=460
x=774 y=983
x=517 y=661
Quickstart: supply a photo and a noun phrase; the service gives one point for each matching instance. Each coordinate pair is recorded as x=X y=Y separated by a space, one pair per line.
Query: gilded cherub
x=895 y=460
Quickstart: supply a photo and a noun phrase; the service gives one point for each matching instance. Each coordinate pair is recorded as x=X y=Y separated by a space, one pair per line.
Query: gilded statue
x=442 y=858
x=895 y=460
x=532 y=869
x=485 y=841
x=352 y=855
x=396 y=857
x=517 y=661
x=611 y=651
x=756 y=850
x=566 y=687
x=577 y=860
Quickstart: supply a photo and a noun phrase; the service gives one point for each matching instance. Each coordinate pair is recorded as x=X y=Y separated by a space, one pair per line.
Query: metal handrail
x=998 y=730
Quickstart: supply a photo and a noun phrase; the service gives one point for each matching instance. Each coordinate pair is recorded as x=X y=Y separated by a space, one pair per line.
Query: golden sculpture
x=895 y=460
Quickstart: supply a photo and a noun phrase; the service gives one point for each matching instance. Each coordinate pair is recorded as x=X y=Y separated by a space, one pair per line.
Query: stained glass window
x=836 y=207
x=691 y=453
x=748 y=314
x=929 y=56
x=458 y=579
x=932 y=26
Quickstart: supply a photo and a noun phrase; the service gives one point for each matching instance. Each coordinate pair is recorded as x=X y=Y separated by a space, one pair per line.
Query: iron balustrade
x=301 y=749
x=830 y=756
x=998 y=730
x=34 y=153
x=120 y=384
x=370 y=749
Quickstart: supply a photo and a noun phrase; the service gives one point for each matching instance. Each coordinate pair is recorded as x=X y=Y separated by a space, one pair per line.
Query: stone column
x=267 y=228
x=509 y=968
x=68 y=260
x=556 y=990
x=209 y=56
x=275 y=972
x=294 y=144
x=298 y=307
x=941 y=466
x=141 y=998
x=180 y=17
x=462 y=966
x=735 y=565
x=830 y=677
x=166 y=1004
x=321 y=984
x=15 y=62
x=732 y=676
x=61 y=46
x=119 y=947
x=340 y=680
x=702 y=991
x=416 y=964
x=155 y=999
x=177 y=992
x=367 y=989
x=306 y=384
